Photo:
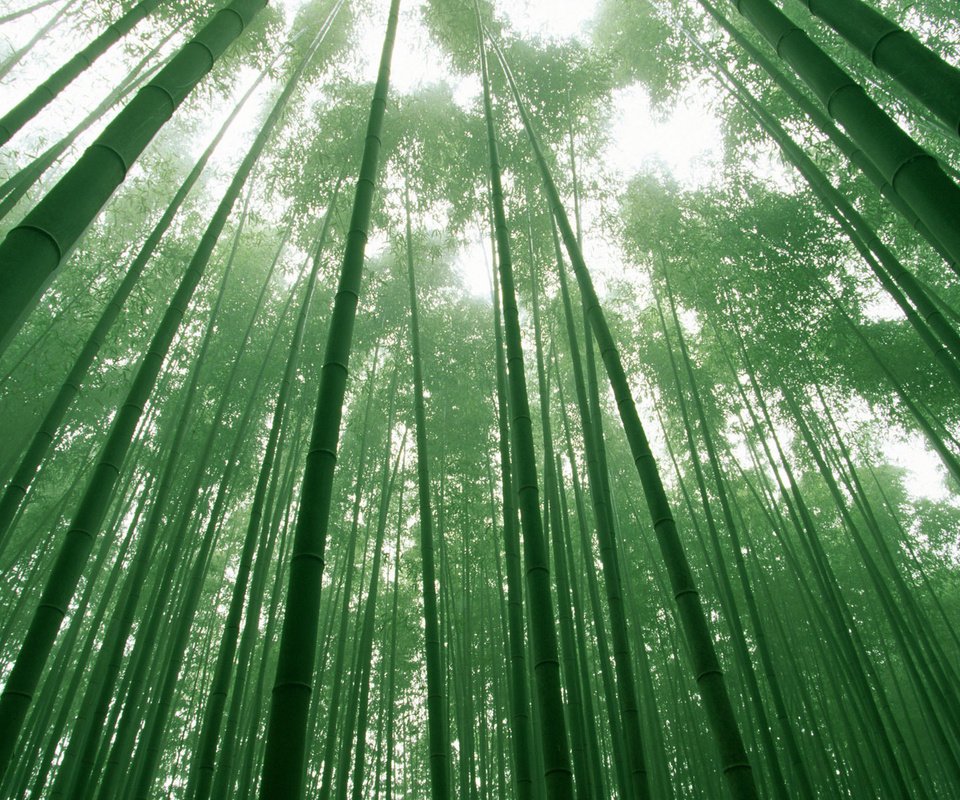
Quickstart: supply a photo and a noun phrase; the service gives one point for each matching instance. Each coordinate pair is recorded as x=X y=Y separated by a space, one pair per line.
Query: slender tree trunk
x=364 y=658
x=202 y=776
x=392 y=675
x=17 y=56
x=735 y=765
x=804 y=787
x=76 y=773
x=340 y=658
x=558 y=775
x=44 y=437
x=438 y=741
x=66 y=573
x=284 y=759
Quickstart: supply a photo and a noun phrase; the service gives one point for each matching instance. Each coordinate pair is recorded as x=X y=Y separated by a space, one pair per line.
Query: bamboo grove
x=394 y=405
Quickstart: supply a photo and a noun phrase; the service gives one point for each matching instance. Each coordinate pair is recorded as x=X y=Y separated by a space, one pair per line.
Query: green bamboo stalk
x=17 y=489
x=45 y=93
x=392 y=675
x=598 y=479
x=804 y=786
x=558 y=775
x=892 y=763
x=34 y=250
x=340 y=657
x=588 y=687
x=931 y=325
x=365 y=649
x=735 y=764
x=245 y=779
x=280 y=486
x=554 y=525
x=724 y=587
x=285 y=744
x=520 y=723
x=919 y=70
x=826 y=125
x=914 y=174
x=437 y=733
x=619 y=757
x=905 y=641
x=19 y=183
x=80 y=756
x=65 y=575
x=145 y=763
x=72 y=691
x=206 y=752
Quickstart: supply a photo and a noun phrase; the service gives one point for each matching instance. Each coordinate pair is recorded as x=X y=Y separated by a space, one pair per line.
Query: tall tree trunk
x=438 y=741
x=66 y=573
x=929 y=78
x=558 y=775
x=284 y=759
x=40 y=97
x=364 y=660
x=733 y=756
x=914 y=174
x=15 y=492
x=340 y=658
x=520 y=723
x=204 y=761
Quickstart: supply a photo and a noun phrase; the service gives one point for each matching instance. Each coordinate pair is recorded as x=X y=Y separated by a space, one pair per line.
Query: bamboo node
x=703 y=674
x=879 y=41
x=905 y=163
x=111 y=149
x=292 y=685
x=45 y=232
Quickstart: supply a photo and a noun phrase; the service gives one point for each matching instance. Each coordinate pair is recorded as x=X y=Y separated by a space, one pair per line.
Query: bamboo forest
x=479 y=399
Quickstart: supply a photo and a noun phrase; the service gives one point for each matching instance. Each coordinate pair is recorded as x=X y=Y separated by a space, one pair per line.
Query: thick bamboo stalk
x=34 y=250
x=47 y=91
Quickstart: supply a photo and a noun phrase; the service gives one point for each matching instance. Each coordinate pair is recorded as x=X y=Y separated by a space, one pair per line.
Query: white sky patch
x=417 y=61
x=688 y=142
x=472 y=264
x=561 y=19
x=925 y=475
x=882 y=307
